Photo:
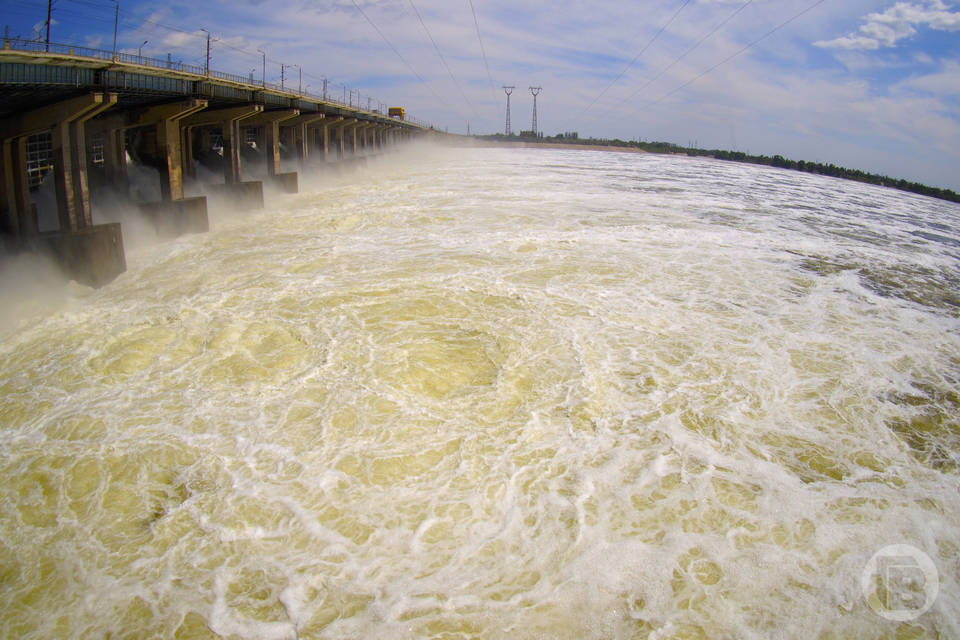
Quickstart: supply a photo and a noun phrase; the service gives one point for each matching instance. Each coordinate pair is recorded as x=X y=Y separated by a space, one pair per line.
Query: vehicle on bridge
x=395 y=112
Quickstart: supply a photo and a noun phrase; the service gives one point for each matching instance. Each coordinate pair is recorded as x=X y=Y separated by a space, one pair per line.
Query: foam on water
x=496 y=393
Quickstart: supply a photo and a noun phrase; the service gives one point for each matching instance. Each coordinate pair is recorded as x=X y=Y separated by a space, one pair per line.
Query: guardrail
x=34 y=46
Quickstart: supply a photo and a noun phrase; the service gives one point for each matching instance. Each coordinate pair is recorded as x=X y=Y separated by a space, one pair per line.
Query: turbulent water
x=494 y=393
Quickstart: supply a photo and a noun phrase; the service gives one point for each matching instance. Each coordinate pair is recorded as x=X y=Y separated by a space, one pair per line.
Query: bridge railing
x=36 y=46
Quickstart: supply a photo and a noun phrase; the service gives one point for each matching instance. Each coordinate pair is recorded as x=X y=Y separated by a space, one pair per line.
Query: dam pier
x=83 y=117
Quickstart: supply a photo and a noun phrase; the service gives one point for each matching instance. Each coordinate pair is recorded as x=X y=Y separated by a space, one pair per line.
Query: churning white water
x=496 y=393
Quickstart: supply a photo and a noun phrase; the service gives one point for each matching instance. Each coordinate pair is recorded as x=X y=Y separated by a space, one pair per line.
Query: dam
x=83 y=116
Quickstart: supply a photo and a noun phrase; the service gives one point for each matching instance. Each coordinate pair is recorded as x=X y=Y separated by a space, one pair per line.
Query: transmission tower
x=535 y=91
x=508 y=90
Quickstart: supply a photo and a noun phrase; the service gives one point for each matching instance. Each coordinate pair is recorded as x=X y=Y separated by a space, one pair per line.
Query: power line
x=483 y=51
x=731 y=57
x=636 y=57
x=689 y=50
x=443 y=60
x=402 y=59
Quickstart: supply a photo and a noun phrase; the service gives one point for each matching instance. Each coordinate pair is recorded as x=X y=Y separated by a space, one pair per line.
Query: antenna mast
x=508 y=90
x=535 y=91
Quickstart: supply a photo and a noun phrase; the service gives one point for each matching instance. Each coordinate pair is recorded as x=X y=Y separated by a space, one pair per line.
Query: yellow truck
x=395 y=112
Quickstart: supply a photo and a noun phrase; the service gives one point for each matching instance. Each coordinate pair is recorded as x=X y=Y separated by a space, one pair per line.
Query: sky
x=866 y=84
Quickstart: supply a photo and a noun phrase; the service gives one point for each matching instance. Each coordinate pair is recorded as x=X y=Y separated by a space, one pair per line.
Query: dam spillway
x=97 y=112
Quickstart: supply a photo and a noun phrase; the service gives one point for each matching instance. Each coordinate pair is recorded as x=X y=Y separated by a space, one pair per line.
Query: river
x=496 y=393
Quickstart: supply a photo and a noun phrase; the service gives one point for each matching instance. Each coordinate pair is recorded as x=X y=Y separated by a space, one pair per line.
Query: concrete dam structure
x=83 y=116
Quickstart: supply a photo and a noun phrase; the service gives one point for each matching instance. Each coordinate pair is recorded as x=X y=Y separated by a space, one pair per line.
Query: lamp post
x=140 y=51
x=116 y=22
x=263 y=78
x=251 y=74
x=49 y=14
x=206 y=66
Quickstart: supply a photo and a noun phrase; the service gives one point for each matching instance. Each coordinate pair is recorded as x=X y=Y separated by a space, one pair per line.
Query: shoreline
x=520 y=144
x=813 y=168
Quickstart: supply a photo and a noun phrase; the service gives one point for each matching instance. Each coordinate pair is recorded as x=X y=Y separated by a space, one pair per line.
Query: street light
x=140 y=50
x=206 y=66
x=116 y=22
x=264 y=76
x=251 y=74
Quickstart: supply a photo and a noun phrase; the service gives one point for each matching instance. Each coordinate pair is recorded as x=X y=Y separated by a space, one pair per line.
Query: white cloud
x=896 y=23
x=946 y=82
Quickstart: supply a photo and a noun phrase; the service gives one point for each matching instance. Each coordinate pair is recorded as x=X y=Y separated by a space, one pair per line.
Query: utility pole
x=206 y=66
x=263 y=78
x=281 y=75
x=49 y=12
x=508 y=90
x=535 y=91
x=116 y=22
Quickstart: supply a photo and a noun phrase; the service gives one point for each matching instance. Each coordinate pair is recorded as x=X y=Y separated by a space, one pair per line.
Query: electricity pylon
x=535 y=91
x=508 y=90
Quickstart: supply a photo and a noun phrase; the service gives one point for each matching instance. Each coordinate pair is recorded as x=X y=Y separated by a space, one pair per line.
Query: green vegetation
x=739 y=156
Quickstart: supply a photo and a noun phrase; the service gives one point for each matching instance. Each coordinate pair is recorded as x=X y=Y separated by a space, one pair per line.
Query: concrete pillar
x=70 y=161
x=8 y=222
x=301 y=137
x=345 y=135
x=269 y=121
x=360 y=134
x=115 y=159
x=186 y=152
x=91 y=254
x=61 y=119
x=171 y=157
x=230 y=135
x=166 y=120
x=174 y=214
x=328 y=125
x=340 y=138
x=19 y=220
x=229 y=121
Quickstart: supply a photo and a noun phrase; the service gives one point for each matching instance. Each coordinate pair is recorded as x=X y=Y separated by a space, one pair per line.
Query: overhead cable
x=734 y=55
x=483 y=51
x=636 y=57
x=442 y=59
x=399 y=55
x=689 y=50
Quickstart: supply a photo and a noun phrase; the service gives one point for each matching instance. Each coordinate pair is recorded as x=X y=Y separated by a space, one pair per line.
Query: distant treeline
x=739 y=156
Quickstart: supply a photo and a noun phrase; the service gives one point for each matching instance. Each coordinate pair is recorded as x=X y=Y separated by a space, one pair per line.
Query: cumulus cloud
x=896 y=23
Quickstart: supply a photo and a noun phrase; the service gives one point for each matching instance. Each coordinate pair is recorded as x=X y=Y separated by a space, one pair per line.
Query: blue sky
x=861 y=83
